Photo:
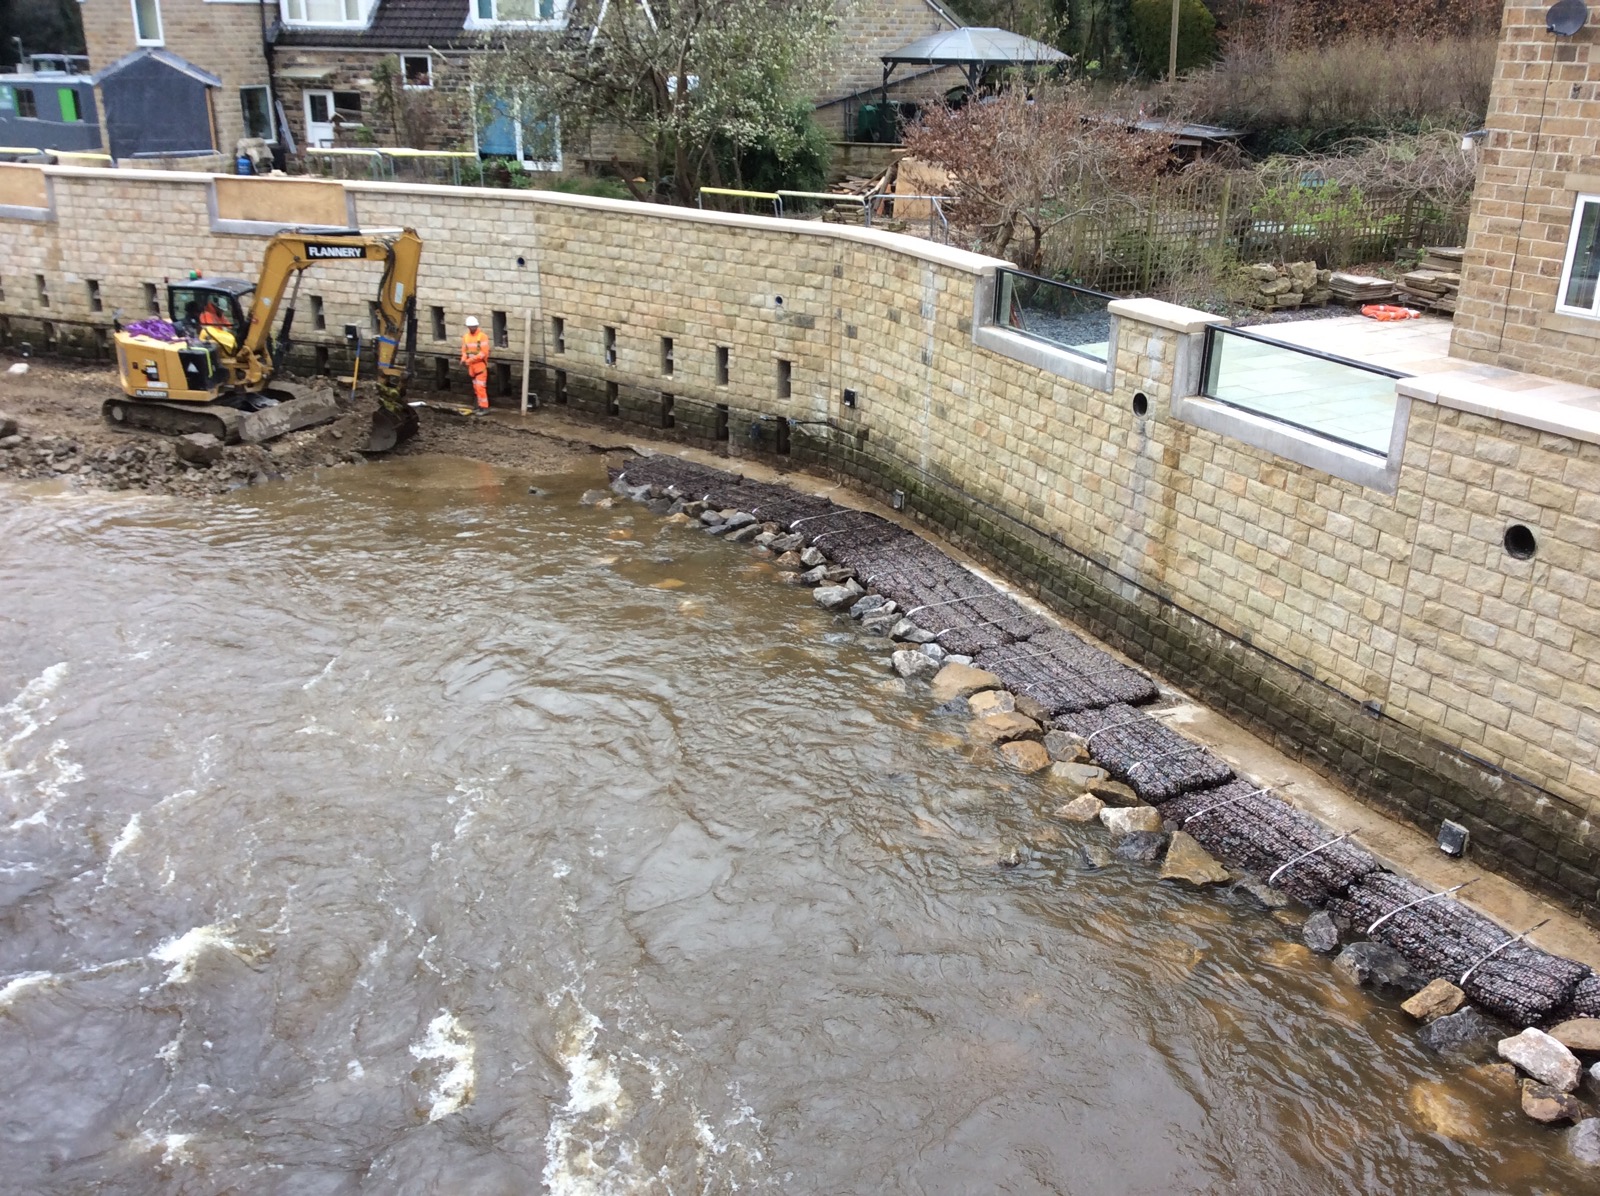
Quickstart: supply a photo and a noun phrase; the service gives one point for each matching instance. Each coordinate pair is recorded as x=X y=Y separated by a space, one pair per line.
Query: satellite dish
x=1566 y=17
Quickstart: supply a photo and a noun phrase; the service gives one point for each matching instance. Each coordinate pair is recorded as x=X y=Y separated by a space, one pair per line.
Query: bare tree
x=1021 y=166
x=687 y=78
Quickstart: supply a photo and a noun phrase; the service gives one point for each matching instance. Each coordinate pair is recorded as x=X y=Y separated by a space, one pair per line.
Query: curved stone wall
x=1384 y=634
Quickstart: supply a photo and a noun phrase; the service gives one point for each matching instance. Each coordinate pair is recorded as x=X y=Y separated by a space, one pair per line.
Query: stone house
x=218 y=38
x=1530 y=291
x=398 y=72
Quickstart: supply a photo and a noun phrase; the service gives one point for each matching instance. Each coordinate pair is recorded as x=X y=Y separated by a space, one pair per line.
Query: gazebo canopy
x=974 y=50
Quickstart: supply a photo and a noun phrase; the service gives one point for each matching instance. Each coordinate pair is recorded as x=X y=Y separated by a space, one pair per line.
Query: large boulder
x=1130 y=820
x=962 y=681
x=1583 y=1142
x=833 y=597
x=1065 y=747
x=1372 y=965
x=1321 y=933
x=8 y=425
x=1079 y=776
x=1581 y=1034
x=1081 y=809
x=1439 y=999
x=1543 y=1058
x=1024 y=755
x=200 y=449
x=1188 y=861
x=912 y=664
x=1465 y=1033
x=1001 y=728
x=995 y=701
x=1142 y=847
x=1544 y=1103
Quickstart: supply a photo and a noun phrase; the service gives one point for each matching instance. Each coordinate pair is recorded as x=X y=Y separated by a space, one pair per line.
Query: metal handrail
x=1208 y=347
x=1214 y=329
x=935 y=202
x=771 y=196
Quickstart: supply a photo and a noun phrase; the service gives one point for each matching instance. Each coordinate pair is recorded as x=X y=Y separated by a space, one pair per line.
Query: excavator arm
x=295 y=250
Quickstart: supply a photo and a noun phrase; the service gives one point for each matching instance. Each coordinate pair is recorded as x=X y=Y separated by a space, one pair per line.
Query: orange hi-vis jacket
x=475 y=350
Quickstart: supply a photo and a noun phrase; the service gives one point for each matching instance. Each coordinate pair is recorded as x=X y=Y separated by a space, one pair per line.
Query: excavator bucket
x=392 y=424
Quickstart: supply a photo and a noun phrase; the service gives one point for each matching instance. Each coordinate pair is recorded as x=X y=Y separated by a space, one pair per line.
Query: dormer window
x=516 y=12
x=326 y=12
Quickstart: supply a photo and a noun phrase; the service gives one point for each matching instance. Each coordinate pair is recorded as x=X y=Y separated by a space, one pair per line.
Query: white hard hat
x=472 y=321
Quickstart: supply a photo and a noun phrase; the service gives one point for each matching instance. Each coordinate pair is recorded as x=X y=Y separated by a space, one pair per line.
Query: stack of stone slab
x=1058 y=678
x=1360 y=288
x=1291 y=284
x=1436 y=281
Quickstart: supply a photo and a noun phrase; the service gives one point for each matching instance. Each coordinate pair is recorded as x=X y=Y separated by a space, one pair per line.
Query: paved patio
x=1358 y=407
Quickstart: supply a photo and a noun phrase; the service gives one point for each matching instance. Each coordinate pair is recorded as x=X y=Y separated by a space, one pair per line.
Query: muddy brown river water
x=395 y=831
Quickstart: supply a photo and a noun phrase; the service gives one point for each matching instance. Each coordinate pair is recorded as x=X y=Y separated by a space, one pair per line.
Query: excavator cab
x=215 y=309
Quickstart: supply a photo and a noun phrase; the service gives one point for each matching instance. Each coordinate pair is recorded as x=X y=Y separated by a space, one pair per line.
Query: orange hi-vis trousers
x=475 y=356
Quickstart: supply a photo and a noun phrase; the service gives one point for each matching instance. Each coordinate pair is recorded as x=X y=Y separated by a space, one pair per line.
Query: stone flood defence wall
x=1382 y=632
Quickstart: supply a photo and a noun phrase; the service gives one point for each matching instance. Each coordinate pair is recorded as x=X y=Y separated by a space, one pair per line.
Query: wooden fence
x=1185 y=226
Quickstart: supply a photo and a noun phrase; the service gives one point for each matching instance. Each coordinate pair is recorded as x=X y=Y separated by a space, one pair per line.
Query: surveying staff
x=475 y=356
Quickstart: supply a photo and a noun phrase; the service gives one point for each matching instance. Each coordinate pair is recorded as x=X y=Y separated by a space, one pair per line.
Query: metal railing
x=1072 y=318
x=383 y=162
x=1349 y=402
x=871 y=205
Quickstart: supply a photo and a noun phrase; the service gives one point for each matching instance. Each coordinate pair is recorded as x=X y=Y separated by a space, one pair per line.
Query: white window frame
x=362 y=18
x=558 y=18
x=408 y=86
x=1593 y=311
x=272 y=117
x=161 y=29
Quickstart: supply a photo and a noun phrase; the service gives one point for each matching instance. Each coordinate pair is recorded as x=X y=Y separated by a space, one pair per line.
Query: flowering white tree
x=689 y=79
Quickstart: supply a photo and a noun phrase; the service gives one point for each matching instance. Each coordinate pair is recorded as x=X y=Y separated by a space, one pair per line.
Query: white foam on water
x=27 y=709
x=130 y=835
x=174 y=1148
x=326 y=669
x=20 y=984
x=450 y=1044
x=184 y=951
x=34 y=783
x=592 y=1110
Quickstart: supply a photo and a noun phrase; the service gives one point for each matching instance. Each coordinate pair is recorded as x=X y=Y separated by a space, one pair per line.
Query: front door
x=319 y=119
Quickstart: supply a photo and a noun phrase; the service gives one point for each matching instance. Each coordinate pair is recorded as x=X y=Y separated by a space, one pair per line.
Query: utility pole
x=1172 y=46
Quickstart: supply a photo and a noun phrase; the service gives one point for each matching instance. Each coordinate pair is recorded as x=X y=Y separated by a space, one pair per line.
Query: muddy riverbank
x=61 y=436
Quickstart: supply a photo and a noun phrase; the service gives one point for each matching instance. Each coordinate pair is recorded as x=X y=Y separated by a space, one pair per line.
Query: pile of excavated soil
x=61 y=436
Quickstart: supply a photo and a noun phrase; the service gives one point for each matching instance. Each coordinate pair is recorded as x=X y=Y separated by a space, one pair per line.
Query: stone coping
x=1529 y=400
x=1164 y=315
x=940 y=255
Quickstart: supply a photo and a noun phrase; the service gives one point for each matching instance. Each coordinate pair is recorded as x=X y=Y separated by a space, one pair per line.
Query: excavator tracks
x=296 y=408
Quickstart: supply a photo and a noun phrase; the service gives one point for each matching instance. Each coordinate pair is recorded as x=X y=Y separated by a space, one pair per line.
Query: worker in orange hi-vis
x=475 y=356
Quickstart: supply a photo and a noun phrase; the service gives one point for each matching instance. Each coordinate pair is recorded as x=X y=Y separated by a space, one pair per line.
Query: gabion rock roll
x=1156 y=761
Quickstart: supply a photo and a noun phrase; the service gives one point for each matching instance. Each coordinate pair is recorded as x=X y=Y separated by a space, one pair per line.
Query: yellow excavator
x=214 y=367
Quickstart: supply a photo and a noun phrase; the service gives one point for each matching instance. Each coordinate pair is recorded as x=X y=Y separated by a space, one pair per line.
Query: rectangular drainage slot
x=558 y=334
x=785 y=373
x=44 y=290
x=613 y=402
x=438 y=322
x=321 y=354
x=668 y=420
x=502 y=378
x=780 y=440
x=666 y=357
x=561 y=388
x=319 y=318
x=441 y=373
x=152 y=300
x=93 y=286
x=502 y=334
x=722 y=365
x=722 y=419
x=611 y=345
